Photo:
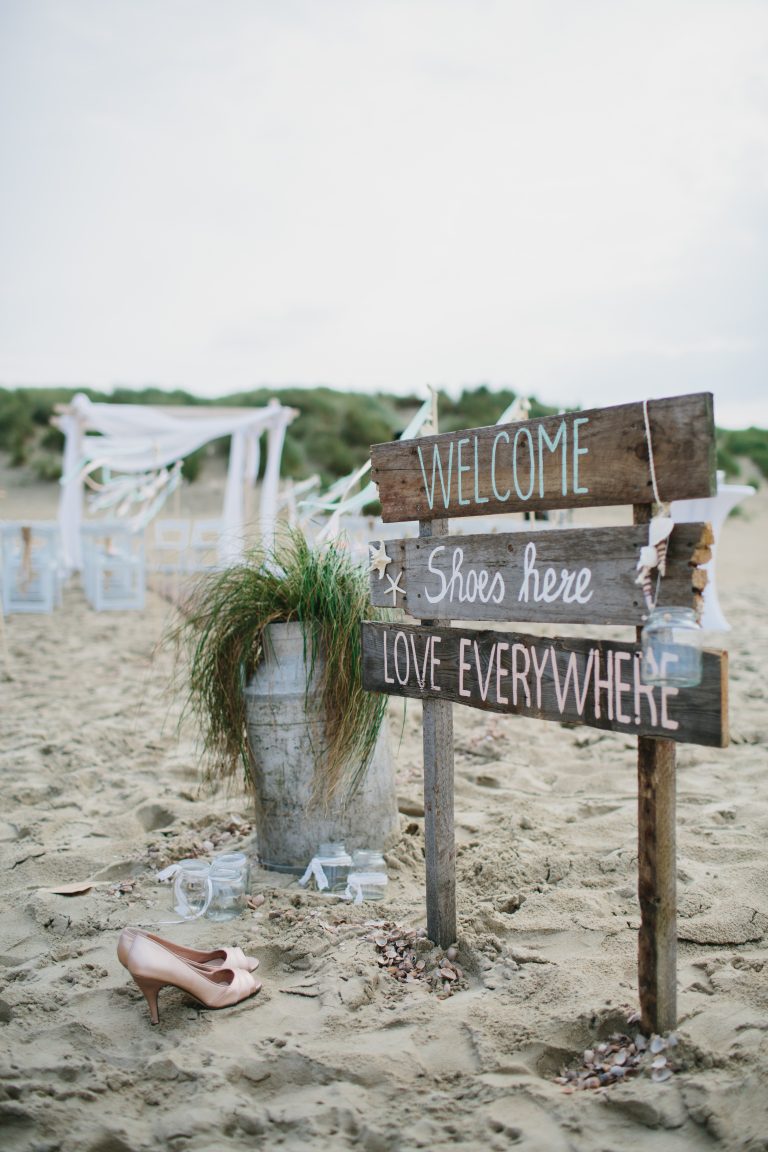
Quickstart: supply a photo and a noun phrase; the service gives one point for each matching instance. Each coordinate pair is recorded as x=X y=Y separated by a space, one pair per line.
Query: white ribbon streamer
x=315 y=868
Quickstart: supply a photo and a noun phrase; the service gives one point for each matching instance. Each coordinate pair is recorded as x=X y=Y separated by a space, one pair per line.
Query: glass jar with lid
x=368 y=878
x=227 y=892
x=335 y=862
x=192 y=889
x=671 y=648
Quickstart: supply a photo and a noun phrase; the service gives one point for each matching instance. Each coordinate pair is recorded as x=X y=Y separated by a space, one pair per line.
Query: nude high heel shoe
x=153 y=966
x=218 y=958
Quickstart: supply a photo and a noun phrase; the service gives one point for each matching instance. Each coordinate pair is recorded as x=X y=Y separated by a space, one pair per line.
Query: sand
x=101 y=785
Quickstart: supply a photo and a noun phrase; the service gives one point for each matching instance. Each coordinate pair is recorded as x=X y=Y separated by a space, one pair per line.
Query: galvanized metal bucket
x=286 y=731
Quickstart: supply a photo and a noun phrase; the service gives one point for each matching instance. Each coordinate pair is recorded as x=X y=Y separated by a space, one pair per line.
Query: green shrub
x=751 y=443
x=728 y=464
x=46 y=466
x=52 y=439
x=192 y=465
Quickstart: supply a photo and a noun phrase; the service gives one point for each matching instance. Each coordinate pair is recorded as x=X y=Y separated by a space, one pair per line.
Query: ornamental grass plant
x=223 y=638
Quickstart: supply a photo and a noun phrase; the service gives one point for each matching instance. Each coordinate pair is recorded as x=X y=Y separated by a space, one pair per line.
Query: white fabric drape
x=269 y=485
x=137 y=439
x=71 y=498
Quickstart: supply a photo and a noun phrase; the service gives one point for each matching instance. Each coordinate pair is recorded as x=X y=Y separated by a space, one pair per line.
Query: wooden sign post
x=656 y=872
x=440 y=842
x=586 y=459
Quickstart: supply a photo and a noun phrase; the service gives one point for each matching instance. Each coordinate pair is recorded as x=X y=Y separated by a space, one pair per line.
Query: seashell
x=621 y=1056
x=617 y=1071
x=640 y=1042
x=659 y=1062
x=448 y=974
x=592 y=1082
x=382 y=960
x=661 y=553
x=380 y=941
x=421 y=965
x=452 y=952
x=589 y=1055
x=658 y=1044
x=672 y=1040
x=660 y=529
x=659 y=1075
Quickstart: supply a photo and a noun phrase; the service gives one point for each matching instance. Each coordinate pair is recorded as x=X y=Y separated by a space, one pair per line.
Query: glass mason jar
x=238 y=860
x=227 y=892
x=192 y=889
x=368 y=878
x=335 y=862
x=671 y=648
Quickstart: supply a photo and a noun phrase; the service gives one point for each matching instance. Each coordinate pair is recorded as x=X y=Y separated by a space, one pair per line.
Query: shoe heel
x=150 y=988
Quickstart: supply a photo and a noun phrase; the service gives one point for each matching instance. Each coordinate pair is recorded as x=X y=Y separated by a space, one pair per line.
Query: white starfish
x=379 y=558
x=394 y=587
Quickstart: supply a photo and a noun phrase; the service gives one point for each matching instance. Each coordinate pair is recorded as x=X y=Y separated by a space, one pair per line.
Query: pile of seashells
x=407 y=954
x=178 y=843
x=613 y=1060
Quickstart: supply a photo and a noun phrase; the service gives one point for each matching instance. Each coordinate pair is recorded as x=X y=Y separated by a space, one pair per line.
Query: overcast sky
x=569 y=198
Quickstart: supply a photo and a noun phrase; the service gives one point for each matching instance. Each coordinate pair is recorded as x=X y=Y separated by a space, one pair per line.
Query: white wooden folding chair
x=203 y=551
x=113 y=567
x=30 y=569
x=170 y=545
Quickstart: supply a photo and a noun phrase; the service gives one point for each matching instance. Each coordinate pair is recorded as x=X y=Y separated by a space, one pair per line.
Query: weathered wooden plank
x=657 y=885
x=580 y=459
x=563 y=576
x=439 y=836
x=593 y=682
x=656 y=872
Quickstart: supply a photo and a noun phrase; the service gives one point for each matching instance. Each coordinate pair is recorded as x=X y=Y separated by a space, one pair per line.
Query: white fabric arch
x=137 y=439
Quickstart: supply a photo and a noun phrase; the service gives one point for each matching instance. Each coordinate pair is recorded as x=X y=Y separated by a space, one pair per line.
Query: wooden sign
x=637 y=454
x=576 y=681
x=596 y=457
x=563 y=576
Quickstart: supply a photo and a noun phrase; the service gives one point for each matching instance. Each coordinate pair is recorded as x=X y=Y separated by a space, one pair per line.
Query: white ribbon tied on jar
x=315 y=868
x=359 y=885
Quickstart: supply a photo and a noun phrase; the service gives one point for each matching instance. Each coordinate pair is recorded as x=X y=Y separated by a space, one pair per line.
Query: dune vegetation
x=331 y=436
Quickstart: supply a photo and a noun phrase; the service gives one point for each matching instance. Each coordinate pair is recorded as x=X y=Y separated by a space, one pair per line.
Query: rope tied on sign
x=653 y=555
